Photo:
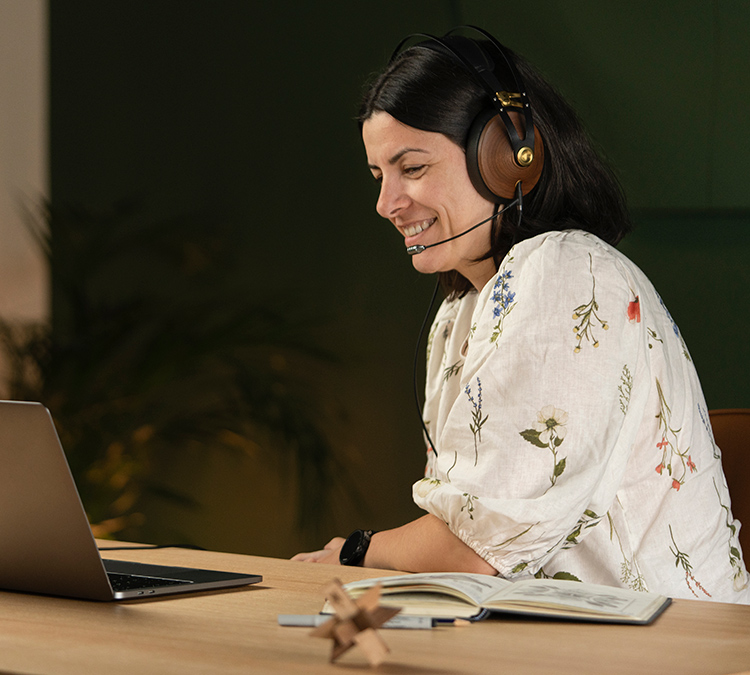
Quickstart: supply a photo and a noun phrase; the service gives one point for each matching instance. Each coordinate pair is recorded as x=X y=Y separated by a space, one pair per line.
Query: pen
x=412 y=622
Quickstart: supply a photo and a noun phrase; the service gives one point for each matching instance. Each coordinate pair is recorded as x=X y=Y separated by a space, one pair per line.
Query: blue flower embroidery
x=504 y=300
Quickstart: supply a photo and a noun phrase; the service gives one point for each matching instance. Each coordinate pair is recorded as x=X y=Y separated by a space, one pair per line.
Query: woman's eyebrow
x=398 y=156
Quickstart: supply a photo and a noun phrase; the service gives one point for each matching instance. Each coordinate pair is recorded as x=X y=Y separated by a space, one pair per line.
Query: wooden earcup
x=493 y=170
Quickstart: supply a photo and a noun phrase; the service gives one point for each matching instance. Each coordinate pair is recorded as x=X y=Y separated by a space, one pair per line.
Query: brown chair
x=732 y=433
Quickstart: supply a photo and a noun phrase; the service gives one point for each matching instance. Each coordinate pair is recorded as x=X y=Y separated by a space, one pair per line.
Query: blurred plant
x=151 y=346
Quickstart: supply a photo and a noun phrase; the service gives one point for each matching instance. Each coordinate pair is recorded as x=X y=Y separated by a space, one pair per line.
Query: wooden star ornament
x=355 y=622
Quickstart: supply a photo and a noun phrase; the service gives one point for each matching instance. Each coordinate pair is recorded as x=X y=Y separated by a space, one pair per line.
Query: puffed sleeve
x=531 y=406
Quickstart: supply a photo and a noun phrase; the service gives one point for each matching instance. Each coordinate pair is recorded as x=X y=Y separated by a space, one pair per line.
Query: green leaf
x=532 y=436
x=566 y=576
x=590 y=513
x=734 y=552
x=572 y=537
x=520 y=567
x=560 y=467
x=558 y=441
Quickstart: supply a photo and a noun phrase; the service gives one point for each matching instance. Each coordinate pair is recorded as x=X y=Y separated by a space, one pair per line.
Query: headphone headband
x=477 y=63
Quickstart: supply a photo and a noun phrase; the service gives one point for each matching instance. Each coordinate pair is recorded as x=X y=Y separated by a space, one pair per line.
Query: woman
x=571 y=436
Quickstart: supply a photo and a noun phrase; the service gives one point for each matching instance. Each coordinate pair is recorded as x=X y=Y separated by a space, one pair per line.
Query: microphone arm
x=418 y=248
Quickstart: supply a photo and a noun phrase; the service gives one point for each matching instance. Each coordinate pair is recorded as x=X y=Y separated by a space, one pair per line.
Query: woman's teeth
x=411 y=230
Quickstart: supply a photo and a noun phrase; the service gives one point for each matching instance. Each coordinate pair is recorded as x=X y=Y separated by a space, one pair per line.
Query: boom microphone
x=418 y=248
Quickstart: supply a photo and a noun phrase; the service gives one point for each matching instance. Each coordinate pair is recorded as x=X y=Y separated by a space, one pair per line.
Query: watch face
x=354 y=548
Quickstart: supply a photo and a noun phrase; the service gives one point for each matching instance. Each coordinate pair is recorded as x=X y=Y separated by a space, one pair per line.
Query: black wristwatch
x=354 y=548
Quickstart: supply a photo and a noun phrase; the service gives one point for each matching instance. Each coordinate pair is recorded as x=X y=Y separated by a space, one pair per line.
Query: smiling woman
x=426 y=193
x=570 y=430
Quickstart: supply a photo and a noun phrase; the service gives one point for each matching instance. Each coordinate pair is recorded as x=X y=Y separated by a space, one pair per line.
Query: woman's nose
x=392 y=199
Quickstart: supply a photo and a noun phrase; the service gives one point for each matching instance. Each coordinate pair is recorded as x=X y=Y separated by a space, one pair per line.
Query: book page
x=475 y=588
x=575 y=595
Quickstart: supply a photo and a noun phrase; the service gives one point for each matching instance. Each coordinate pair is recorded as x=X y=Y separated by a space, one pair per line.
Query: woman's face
x=426 y=192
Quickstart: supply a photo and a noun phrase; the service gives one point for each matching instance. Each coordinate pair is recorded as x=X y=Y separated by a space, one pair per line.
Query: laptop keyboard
x=127 y=582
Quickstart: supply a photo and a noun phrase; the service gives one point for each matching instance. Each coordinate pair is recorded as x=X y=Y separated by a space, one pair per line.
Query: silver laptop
x=46 y=544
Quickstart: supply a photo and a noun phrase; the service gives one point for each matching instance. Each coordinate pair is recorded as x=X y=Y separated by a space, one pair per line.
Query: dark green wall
x=241 y=112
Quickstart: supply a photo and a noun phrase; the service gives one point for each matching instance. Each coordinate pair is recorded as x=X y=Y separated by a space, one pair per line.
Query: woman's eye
x=413 y=170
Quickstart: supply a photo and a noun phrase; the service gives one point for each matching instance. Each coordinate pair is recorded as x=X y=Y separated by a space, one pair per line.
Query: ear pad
x=492 y=167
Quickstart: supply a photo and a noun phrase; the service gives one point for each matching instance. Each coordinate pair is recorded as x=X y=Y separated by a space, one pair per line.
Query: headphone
x=501 y=163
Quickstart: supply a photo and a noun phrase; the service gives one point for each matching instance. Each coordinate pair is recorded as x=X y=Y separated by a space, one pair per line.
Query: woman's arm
x=423 y=545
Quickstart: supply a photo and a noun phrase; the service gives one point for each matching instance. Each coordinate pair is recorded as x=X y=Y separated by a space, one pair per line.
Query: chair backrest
x=732 y=434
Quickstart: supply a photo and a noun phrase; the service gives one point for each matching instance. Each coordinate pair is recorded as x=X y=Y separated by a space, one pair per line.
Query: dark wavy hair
x=428 y=89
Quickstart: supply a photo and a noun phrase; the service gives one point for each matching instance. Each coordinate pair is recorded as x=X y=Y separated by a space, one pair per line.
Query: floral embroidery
x=504 y=300
x=684 y=560
x=668 y=444
x=625 y=389
x=507 y=542
x=735 y=557
x=549 y=432
x=630 y=574
x=676 y=330
x=469 y=504
x=451 y=370
x=587 y=312
x=427 y=485
x=653 y=336
x=430 y=340
x=453 y=466
x=669 y=316
x=476 y=416
x=634 y=310
x=566 y=576
x=587 y=520
x=707 y=426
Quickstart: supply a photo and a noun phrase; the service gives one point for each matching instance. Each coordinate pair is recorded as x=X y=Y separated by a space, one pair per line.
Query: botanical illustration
x=430 y=341
x=683 y=560
x=587 y=520
x=477 y=420
x=565 y=576
x=676 y=330
x=510 y=540
x=503 y=299
x=549 y=432
x=427 y=485
x=625 y=389
x=652 y=337
x=452 y=370
x=630 y=574
x=703 y=413
x=469 y=504
x=677 y=462
x=739 y=580
x=587 y=316
x=634 y=310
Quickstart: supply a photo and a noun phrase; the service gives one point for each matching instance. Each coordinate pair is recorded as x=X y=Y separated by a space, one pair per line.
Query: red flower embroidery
x=659 y=469
x=691 y=465
x=663 y=443
x=676 y=484
x=634 y=310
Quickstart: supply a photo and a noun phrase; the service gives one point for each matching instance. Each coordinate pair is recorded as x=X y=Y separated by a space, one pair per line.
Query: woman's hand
x=329 y=555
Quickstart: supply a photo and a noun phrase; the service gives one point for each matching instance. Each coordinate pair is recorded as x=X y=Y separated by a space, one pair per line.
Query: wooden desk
x=237 y=632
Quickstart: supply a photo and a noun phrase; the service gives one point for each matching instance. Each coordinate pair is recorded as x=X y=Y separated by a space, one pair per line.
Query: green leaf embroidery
x=532 y=436
x=549 y=432
x=560 y=467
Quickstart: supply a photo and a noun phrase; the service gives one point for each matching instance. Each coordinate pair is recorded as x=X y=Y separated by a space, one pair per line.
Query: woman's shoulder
x=565 y=244
x=559 y=258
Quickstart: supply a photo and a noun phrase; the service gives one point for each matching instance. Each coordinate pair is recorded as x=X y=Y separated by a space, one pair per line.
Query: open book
x=475 y=596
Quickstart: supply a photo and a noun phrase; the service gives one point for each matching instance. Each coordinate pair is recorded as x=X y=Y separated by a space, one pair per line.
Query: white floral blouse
x=572 y=436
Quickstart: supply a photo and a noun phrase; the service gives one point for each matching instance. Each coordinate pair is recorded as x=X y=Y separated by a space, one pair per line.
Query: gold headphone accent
x=508 y=98
x=525 y=156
